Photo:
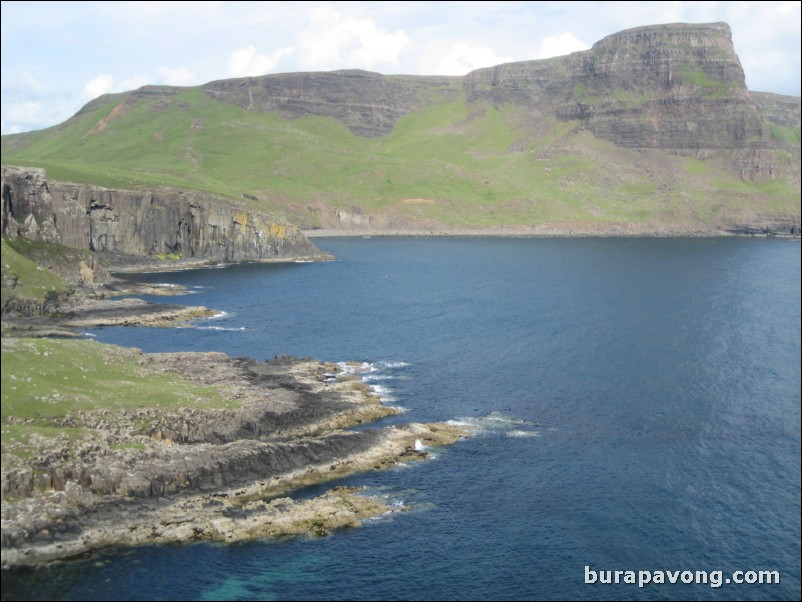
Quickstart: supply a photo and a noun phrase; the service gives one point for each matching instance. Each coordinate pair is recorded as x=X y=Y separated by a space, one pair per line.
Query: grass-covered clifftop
x=27 y=284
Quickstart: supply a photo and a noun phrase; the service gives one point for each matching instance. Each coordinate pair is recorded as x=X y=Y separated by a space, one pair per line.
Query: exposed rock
x=158 y=476
x=370 y=104
x=780 y=110
x=676 y=87
x=166 y=227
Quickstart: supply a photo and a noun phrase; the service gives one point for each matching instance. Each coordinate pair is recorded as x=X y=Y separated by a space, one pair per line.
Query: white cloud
x=25 y=116
x=99 y=85
x=177 y=77
x=332 y=41
x=24 y=112
x=560 y=45
x=249 y=61
x=30 y=84
x=463 y=58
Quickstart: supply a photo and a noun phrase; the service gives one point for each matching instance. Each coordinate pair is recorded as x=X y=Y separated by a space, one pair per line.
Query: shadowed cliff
x=139 y=226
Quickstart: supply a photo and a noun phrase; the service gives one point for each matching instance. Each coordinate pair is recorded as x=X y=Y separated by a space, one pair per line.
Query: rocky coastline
x=109 y=304
x=156 y=475
x=763 y=227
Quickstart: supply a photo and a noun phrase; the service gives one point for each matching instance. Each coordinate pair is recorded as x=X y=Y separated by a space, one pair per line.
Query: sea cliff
x=160 y=228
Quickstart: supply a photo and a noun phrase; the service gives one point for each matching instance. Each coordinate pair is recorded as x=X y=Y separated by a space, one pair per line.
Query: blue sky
x=56 y=56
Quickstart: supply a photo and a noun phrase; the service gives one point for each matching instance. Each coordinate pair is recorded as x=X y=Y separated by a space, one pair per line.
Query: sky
x=56 y=56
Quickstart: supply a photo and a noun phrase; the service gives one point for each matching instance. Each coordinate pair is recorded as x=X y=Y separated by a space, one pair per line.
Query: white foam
x=354 y=367
x=502 y=419
x=382 y=393
x=374 y=377
x=519 y=433
x=461 y=422
x=220 y=314
x=89 y=334
x=496 y=422
x=392 y=365
x=222 y=328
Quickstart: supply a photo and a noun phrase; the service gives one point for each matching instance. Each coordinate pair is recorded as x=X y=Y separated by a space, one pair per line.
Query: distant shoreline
x=549 y=231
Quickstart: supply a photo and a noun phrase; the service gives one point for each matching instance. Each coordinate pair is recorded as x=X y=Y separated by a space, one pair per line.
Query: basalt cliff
x=650 y=131
x=137 y=226
x=62 y=240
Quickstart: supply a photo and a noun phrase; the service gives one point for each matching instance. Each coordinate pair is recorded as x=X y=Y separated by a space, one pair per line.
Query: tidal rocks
x=157 y=475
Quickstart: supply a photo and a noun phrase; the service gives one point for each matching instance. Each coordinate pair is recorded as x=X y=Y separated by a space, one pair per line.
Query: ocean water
x=638 y=406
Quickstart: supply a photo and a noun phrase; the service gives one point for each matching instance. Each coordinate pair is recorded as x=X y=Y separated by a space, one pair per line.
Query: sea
x=636 y=401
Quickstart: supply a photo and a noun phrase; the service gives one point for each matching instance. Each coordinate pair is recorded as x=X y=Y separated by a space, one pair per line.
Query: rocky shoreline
x=781 y=228
x=109 y=304
x=167 y=476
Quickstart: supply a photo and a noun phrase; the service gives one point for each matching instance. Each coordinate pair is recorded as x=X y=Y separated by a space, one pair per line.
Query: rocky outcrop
x=155 y=475
x=768 y=227
x=131 y=226
x=223 y=518
x=780 y=110
x=782 y=117
x=368 y=103
x=676 y=87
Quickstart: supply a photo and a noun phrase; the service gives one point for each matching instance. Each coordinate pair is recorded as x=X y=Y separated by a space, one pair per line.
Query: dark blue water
x=639 y=400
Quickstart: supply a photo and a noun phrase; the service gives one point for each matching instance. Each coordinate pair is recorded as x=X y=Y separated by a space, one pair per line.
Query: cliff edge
x=160 y=228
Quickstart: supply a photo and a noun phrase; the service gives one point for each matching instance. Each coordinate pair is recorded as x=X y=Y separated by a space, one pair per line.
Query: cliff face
x=779 y=110
x=674 y=87
x=130 y=225
x=368 y=103
x=677 y=87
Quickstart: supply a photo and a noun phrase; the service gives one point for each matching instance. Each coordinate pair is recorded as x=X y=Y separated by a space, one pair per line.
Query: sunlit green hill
x=489 y=149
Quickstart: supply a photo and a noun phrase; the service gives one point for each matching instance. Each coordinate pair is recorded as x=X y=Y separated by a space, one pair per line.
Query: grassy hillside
x=454 y=163
x=26 y=279
x=44 y=380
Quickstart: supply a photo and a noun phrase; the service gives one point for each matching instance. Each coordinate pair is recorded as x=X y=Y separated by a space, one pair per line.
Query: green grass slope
x=25 y=279
x=46 y=380
x=450 y=163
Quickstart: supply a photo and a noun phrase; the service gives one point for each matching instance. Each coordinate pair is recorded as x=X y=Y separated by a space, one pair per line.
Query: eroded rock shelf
x=155 y=475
